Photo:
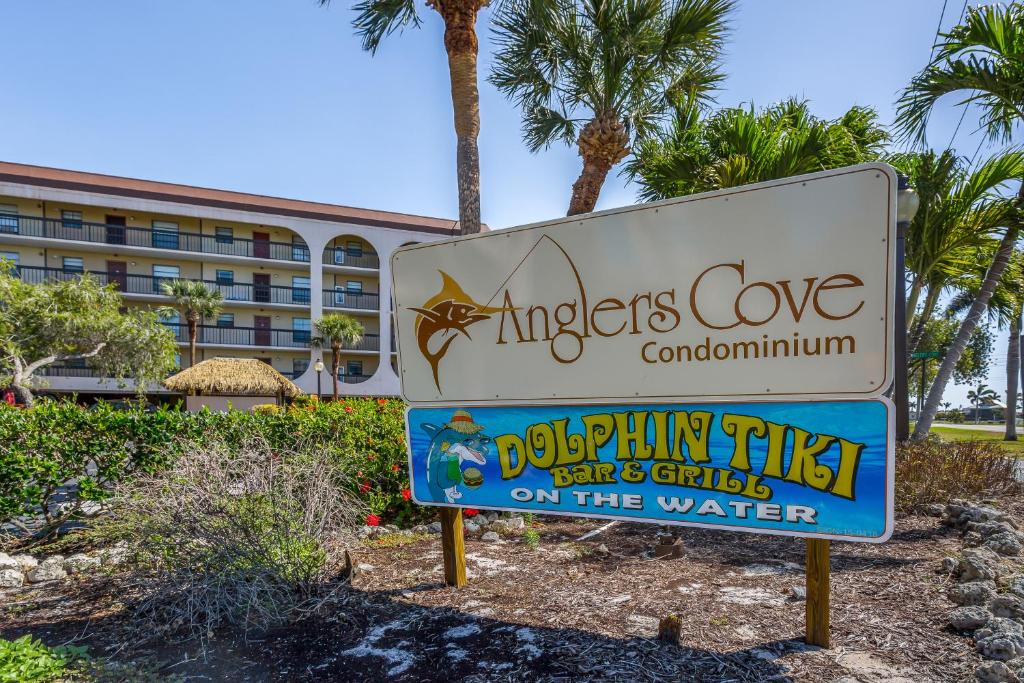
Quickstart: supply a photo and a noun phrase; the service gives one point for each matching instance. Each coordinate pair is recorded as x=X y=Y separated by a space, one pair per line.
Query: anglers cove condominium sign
x=821 y=470
x=776 y=290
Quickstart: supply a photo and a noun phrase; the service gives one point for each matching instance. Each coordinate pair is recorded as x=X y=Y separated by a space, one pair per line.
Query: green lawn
x=952 y=434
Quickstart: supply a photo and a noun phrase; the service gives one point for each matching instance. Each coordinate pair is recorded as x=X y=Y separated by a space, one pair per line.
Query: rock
x=76 y=564
x=420 y=529
x=363 y=567
x=1004 y=543
x=510 y=524
x=471 y=527
x=491 y=537
x=995 y=672
x=26 y=562
x=950 y=565
x=987 y=529
x=980 y=513
x=8 y=562
x=434 y=528
x=90 y=508
x=491 y=517
x=969 y=618
x=798 y=593
x=972 y=539
x=111 y=557
x=11 y=578
x=1017 y=586
x=1016 y=665
x=974 y=567
x=602 y=549
x=1001 y=639
x=933 y=510
x=1008 y=606
x=973 y=593
x=50 y=569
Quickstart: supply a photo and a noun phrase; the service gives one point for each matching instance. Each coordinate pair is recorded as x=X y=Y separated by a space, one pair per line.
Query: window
x=299 y=366
x=165 y=234
x=353 y=368
x=9 y=218
x=73 y=264
x=300 y=252
x=162 y=274
x=354 y=287
x=226 y=320
x=177 y=361
x=300 y=290
x=354 y=248
x=225 y=235
x=226 y=277
x=12 y=256
x=71 y=219
x=301 y=330
x=339 y=295
x=339 y=256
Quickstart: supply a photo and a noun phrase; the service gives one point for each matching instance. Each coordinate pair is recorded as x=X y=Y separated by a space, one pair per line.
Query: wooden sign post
x=817 y=592
x=453 y=547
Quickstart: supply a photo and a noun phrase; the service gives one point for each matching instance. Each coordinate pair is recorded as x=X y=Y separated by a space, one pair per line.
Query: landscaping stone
x=11 y=578
x=8 y=562
x=798 y=593
x=510 y=524
x=434 y=527
x=933 y=509
x=973 y=593
x=950 y=564
x=50 y=569
x=959 y=513
x=1004 y=543
x=975 y=567
x=969 y=618
x=1001 y=639
x=1008 y=606
x=111 y=557
x=26 y=562
x=471 y=527
x=972 y=539
x=76 y=564
x=1017 y=586
x=420 y=529
x=995 y=672
x=491 y=537
x=602 y=549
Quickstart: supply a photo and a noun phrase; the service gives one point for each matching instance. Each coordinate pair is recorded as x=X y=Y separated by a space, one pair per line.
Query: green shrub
x=27 y=660
x=951 y=416
x=45 y=447
x=935 y=471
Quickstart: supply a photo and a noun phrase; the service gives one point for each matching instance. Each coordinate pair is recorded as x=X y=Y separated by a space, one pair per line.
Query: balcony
x=119 y=235
x=339 y=256
x=340 y=298
x=151 y=286
x=260 y=337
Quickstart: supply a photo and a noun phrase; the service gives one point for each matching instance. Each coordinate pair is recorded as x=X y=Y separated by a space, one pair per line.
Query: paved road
x=970 y=425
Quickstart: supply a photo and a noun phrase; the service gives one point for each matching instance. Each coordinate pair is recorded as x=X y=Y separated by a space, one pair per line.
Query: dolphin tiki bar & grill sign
x=717 y=360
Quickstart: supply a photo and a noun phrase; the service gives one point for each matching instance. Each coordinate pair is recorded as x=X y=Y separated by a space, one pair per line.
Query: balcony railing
x=147 y=284
x=120 y=235
x=340 y=298
x=338 y=256
x=260 y=337
x=57 y=370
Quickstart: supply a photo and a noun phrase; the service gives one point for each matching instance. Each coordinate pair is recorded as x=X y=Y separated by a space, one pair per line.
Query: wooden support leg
x=817 y=592
x=453 y=547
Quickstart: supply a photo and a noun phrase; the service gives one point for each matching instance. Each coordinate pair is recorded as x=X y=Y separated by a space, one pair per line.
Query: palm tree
x=602 y=74
x=961 y=211
x=379 y=18
x=739 y=145
x=194 y=301
x=338 y=331
x=979 y=395
x=984 y=58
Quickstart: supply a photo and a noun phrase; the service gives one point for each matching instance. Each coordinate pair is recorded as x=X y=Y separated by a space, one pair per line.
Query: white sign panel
x=776 y=290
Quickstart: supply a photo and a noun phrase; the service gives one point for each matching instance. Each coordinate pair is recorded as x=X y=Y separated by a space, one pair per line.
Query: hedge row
x=56 y=442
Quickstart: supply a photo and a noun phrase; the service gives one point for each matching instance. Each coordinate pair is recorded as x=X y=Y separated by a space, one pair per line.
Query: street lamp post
x=319 y=367
x=906 y=206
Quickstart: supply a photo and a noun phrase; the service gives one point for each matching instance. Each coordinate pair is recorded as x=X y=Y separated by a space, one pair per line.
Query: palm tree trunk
x=587 y=187
x=922 y=320
x=1012 y=374
x=193 y=334
x=335 y=362
x=963 y=335
x=461 y=44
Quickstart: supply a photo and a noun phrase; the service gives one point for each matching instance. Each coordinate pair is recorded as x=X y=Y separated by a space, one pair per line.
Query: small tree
x=979 y=395
x=337 y=331
x=76 y=319
x=195 y=301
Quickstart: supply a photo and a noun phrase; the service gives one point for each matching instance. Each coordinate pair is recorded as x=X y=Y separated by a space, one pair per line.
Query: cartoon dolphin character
x=451 y=445
x=449 y=311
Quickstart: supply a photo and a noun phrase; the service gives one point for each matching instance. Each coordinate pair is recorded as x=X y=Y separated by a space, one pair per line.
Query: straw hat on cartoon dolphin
x=462 y=422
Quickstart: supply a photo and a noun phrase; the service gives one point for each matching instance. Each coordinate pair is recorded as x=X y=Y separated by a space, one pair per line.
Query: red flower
x=382 y=402
x=395 y=468
x=372 y=520
x=359 y=473
x=349 y=409
x=406 y=494
x=470 y=512
x=364 y=487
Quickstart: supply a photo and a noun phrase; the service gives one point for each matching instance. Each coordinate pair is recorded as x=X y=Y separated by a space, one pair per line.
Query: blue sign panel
x=818 y=469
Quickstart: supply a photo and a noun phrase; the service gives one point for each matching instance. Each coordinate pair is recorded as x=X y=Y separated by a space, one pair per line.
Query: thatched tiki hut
x=239 y=383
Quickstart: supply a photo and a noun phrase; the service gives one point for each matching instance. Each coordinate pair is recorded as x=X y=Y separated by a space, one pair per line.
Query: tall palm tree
x=740 y=145
x=194 y=301
x=602 y=74
x=376 y=19
x=981 y=394
x=338 y=330
x=961 y=212
x=983 y=57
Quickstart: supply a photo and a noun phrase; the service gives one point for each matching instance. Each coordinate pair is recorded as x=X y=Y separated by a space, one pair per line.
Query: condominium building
x=280 y=264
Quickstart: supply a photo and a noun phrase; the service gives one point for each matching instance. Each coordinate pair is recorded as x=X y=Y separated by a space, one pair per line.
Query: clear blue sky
x=276 y=97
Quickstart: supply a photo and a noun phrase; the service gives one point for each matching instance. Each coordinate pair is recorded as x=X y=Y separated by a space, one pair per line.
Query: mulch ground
x=568 y=611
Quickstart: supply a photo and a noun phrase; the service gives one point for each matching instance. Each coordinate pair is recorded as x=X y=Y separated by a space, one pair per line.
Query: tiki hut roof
x=232 y=377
